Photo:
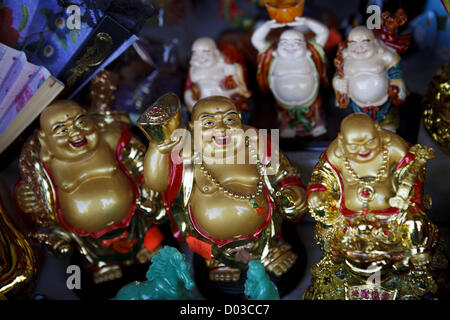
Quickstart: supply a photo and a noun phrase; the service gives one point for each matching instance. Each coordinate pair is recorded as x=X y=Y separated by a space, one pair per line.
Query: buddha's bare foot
x=220 y=272
x=107 y=273
x=280 y=259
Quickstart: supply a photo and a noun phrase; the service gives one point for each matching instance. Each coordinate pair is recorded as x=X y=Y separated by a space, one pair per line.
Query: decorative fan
x=69 y=37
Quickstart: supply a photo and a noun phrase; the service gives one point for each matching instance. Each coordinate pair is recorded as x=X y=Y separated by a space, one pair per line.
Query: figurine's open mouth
x=79 y=143
x=223 y=140
x=365 y=155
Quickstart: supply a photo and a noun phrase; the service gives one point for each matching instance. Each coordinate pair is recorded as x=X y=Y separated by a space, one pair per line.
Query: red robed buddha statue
x=81 y=183
x=228 y=212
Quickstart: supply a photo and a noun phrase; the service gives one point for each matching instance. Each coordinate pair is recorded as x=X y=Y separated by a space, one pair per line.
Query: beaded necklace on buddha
x=366 y=192
x=241 y=196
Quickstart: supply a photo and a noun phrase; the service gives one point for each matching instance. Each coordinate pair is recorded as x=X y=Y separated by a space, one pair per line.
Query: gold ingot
x=161 y=119
x=285 y=11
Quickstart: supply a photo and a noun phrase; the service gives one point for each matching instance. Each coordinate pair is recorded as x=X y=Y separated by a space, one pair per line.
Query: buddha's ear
x=44 y=153
x=339 y=152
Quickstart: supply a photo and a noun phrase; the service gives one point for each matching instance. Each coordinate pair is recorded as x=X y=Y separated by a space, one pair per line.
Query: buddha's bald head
x=357 y=122
x=59 y=110
x=204 y=53
x=361 y=33
x=212 y=105
x=361 y=43
x=204 y=43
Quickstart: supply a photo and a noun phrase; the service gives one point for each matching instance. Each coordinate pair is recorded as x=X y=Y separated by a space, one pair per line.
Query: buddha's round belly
x=368 y=88
x=210 y=87
x=97 y=203
x=383 y=192
x=224 y=218
x=294 y=89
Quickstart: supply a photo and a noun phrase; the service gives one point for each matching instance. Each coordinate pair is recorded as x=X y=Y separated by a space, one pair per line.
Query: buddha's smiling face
x=361 y=43
x=67 y=132
x=221 y=126
x=360 y=139
x=204 y=53
x=292 y=45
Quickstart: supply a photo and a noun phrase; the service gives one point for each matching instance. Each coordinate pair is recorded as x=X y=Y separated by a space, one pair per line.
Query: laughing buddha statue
x=80 y=182
x=366 y=194
x=228 y=213
x=369 y=78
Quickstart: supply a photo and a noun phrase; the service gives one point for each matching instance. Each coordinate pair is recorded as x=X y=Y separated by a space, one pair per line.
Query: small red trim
x=406 y=159
x=417 y=197
x=256 y=234
x=153 y=238
x=291 y=181
x=315 y=187
x=168 y=196
x=124 y=139
x=121 y=243
x=201 y=247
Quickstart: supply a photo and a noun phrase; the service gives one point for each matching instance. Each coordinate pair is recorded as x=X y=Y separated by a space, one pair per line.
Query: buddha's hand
x=168 y=145
x=273 y=24
x=299 y=21
x=26 y=198
x=292 y=200
x=340 y=85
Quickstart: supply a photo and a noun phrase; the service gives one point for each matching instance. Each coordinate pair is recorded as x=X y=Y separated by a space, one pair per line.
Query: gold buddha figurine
x=81 y=184
x=366 y=193
x=229 y=212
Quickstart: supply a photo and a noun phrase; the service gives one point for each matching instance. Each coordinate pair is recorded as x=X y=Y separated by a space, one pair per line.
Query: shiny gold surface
x=93 y=192
x=437 y=108
x=218 y=196
x=359 y=243
x=17 y=261
x=161 y=118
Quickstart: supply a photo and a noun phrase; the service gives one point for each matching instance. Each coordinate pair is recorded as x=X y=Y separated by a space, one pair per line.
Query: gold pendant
x=366 y=193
